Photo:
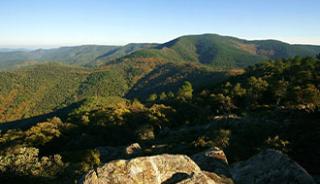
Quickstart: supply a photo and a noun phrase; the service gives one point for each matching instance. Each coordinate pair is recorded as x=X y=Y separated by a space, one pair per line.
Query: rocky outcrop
x=270 y=167
x=161 y=169
x=213 y=160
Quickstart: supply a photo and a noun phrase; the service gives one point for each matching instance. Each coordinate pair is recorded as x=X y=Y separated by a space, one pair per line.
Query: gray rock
x=161 y=169
x=270 y=167
x=213 y=160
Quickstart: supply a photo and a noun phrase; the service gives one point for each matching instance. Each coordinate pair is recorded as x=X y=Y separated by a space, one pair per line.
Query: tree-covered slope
x=169 y=77
x=43 y=88
x=37 y=90
x=224 y=51
x=123 y=51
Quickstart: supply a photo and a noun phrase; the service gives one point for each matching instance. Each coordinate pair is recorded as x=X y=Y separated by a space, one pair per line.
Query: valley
x=66 y=113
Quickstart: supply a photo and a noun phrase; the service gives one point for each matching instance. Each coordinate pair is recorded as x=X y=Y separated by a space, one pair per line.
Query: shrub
x=44 y=132
x=22 y=160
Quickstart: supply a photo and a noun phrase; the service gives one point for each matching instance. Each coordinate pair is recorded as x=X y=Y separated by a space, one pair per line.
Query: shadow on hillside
x=26 y=123
x=151 y=84
x=170 y=77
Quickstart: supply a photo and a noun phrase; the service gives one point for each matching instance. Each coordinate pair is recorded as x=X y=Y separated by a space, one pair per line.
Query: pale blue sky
x=51 y=23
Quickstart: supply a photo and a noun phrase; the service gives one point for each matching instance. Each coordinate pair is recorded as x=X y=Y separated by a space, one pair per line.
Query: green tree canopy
x=152 y=97
x=185 y=91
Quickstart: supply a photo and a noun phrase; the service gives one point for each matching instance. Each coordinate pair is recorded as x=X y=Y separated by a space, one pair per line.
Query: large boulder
x=212 y=160
x=270 y=167
x=161 y=169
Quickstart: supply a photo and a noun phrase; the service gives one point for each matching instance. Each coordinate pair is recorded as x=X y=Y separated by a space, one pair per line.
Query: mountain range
x=208 y=49
x=86 y=55
x=45 y=80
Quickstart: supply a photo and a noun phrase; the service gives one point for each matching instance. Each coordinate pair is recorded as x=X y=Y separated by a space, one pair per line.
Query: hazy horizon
x=35 y=47
x=51 y=24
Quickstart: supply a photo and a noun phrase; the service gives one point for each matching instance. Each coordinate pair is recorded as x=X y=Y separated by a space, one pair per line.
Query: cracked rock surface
x=160 y=169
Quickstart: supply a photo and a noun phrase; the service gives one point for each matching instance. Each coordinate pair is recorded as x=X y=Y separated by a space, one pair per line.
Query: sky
x=54 y=23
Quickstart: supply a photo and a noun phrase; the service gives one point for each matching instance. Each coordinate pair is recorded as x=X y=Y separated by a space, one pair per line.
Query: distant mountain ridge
x=86 y=55
x=208 y=49
x=224 y=51
x=13 y=49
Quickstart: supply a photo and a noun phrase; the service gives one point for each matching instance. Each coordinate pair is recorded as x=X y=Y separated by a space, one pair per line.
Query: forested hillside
x=44 y=88
x=224 y=51
x=169 y=77
x=274 y=104
x=37 y=90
